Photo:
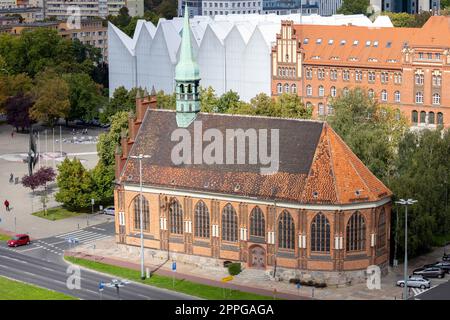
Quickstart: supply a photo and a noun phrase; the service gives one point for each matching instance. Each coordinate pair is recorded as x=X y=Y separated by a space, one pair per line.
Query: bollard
x=147 y=271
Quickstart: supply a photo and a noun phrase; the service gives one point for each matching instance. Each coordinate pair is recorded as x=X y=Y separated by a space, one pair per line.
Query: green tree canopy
x=74 y=184
x=51 y=99
x=354 y=7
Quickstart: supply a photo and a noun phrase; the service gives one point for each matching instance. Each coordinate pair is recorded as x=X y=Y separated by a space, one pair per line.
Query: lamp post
x=140 y=157
x=406 y=203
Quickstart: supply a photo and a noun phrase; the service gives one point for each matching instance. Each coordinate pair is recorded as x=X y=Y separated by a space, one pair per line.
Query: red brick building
x=405 y=67
x=322 y=211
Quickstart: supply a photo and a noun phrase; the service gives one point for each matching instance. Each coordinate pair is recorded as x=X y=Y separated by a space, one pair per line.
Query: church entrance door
x=258 y=257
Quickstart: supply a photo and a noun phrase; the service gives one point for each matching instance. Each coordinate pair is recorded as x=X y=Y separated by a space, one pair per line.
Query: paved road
x=42 y=264
x=439 y=292
x=52 y=248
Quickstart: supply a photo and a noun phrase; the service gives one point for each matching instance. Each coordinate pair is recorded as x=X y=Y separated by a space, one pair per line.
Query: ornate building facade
x=404 y=67
x=322 y=210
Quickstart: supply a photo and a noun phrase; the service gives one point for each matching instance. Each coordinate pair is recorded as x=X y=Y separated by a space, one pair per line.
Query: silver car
x=109 y=211
x=415 y=282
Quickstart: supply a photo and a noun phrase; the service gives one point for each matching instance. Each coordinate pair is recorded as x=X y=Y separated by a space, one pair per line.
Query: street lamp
x=406 y=203
x=140 y=157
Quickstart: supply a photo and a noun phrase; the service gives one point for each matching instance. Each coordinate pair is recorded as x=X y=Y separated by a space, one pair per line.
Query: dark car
x=446 y=257
x=19 y=240
x=431 y=272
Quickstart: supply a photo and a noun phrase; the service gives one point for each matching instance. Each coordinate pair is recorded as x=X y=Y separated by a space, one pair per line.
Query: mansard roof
x=315 y=165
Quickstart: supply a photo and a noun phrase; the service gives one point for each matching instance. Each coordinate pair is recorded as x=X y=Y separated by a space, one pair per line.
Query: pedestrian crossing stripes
x=82 y=236
x=418 y=291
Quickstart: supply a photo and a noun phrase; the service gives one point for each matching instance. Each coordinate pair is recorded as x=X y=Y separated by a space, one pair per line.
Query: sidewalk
x=163 y=271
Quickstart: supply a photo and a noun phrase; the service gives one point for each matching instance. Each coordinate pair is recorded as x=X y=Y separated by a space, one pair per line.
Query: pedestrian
x=7 y=205
x=11 y=178
x=12 y=133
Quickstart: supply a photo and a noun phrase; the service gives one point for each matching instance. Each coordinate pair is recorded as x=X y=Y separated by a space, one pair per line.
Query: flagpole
x=60 y=142
x=46 y=148
x=53 y=146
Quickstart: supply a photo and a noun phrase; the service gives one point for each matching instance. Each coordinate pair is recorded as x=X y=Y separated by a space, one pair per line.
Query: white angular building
x=233 y=51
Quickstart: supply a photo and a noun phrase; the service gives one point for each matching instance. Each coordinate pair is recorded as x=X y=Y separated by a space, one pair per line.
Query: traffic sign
x=226 y=279
x=174 y=266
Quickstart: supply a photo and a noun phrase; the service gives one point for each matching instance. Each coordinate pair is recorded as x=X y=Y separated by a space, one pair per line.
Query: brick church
x=322 y=210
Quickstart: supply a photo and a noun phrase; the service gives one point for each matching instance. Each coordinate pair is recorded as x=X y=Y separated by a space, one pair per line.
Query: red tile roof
x=316 y=166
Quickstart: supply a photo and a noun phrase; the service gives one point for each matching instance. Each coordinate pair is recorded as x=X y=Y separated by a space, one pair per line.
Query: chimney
x=143 y=103
x=124 y=145
x=131 y=128
x=119 y=162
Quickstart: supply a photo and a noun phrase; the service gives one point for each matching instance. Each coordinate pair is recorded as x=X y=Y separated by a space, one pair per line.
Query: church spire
x=187 y=78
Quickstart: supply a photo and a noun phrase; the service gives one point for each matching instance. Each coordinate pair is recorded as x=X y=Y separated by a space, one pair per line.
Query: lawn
x=14 y=290
x=56 y=213
x=184 y=286
x=4 y=237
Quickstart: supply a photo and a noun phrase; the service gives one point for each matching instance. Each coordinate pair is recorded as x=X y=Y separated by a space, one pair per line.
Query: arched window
x=431 y=117
x=321 y=91
x=229 y=224
x=381 y=234
x=384 y=95
x=440 y=118
x=330 y=109
x=419 y=97
x=423 y=117
x=321 y=109
x=286 y=88
x=176 y=217
x=279 y=88
x=436 y=98
x=294 y=88
x=257 y=223
x=397 y=96
x=371 y=93
x=201 y=220
x=320 y=233
x=345 y=91
x=356 y=232
x=145 y=214
x=333 y=91
x=189 y=89
x=309 y=90
x=414 y=116
x=181 y=88
x=286 y=231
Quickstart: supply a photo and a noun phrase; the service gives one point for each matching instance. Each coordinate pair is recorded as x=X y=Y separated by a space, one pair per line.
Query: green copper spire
x=187 y=78
x=187 y=68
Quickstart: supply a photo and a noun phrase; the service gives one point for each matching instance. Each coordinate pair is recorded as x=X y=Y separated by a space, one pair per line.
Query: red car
x=19 y=240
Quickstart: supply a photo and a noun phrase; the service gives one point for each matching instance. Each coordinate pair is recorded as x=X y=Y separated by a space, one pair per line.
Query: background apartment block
x=224 y=7
x=290 y=7
x=91 y=32
x=92 y=8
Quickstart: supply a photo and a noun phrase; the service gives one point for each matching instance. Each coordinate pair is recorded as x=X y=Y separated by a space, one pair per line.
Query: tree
x=167 y=9
x=103 y=183
x=75 y=185
x=52 y=101
x=424 y=174
x=290 y=106
x=354 y=7
x=108 y=142
x=229 y=100
x=264 y=105
x=406 y=20
x=84 y=96
x=445 y=4
x=208 y=99
x=12 y=85
x=40 y=178
x=166 y=101
x=373 y=132
x=17 y=111
x=122 y=100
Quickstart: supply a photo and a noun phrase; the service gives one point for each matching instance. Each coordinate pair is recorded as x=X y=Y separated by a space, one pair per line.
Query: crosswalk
x=82 y=236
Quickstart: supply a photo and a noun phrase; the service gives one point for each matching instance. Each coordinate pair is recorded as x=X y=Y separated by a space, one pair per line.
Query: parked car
x=446 y=257
x=109 y=211
x=444 y=265
x=431 y=272
x=415 y=282
x=19 y=240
